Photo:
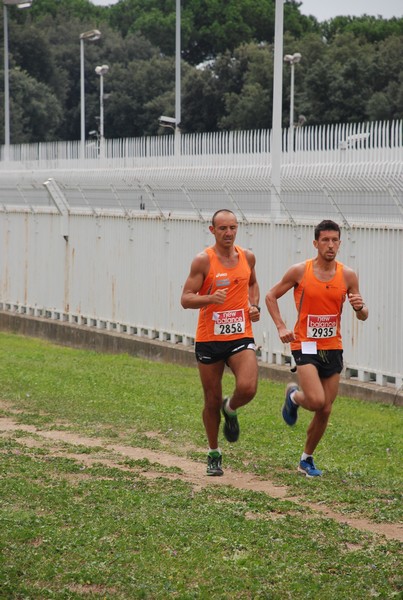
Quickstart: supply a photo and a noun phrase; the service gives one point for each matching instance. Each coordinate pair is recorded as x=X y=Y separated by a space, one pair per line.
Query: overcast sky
x=326 y=9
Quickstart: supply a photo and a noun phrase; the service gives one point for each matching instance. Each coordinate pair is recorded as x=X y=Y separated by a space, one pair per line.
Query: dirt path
x=193 y=472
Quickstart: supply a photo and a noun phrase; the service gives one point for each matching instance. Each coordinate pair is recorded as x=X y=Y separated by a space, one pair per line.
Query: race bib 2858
x=229 y=322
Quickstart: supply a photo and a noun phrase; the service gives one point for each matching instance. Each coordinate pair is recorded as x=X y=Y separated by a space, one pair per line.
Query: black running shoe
x=231 y=425
x=214 y=464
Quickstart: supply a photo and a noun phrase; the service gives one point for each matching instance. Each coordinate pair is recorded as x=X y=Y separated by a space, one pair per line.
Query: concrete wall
x=84 y=337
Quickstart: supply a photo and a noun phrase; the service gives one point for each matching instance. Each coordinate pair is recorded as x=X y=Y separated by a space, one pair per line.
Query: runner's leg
x=320 y=420
x=211 y=379
x=245 y=369
x=311 y=394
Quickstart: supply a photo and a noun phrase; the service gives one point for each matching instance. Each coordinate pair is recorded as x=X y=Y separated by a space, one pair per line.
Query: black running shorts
x=327 y=362
x=212 y=352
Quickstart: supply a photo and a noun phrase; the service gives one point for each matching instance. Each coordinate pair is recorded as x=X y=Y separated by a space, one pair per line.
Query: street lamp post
x=19 y=4
x=292 y=59
x=89 y=36
x=276 y=147
x=101 y=71
x=174 y=123
x=178 y=78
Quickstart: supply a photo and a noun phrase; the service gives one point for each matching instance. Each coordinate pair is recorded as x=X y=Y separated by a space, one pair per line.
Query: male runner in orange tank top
x=321 y=286
x=222 y=285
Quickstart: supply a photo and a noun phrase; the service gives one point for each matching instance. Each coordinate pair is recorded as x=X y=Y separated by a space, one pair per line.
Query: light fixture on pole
x=101 y=71
x=292 y=59
x=88 y=36
x=19 y=4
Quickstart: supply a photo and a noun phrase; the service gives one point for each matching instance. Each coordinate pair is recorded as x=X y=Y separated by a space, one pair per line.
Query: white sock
x=304 y=456
x=228 y=409
x=292 y=397
x=210 y=450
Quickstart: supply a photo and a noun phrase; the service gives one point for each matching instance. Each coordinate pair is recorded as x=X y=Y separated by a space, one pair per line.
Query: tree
x=129 y=110
x=297 y=25
x=249 y=106
x=35 y=113
x=208 y=27
x=337 y=86
x=202 y=100
x=368 y=28
x=379 y=107
x=249 y=110
x=68 y=9
x=30 y=50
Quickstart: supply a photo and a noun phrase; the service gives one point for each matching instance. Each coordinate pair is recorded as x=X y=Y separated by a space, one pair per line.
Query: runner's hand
x=356 y=301
x=254 y=314
x=219 y=296
x=286 y=335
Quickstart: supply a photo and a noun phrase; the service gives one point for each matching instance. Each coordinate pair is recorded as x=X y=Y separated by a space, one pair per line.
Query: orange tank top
x=319 y=305
x=228 y=321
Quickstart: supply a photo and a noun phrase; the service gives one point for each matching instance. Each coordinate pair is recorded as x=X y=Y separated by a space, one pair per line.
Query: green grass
x=71 y=529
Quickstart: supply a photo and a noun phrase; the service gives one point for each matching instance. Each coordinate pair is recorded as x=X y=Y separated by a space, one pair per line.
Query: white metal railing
x=364 y=141
x=102 y=272
x=82 y=229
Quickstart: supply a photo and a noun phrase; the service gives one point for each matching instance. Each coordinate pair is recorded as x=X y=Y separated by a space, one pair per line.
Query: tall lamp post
x=19 y=4
x=101 y=71
x=174 y=122
x=292 y=59
x=87 y=36
x=178 y=78
x=276 y=146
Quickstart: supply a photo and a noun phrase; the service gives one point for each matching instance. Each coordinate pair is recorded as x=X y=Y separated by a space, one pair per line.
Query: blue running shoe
x=290 y=410
x=231 y=425
x=307 y=467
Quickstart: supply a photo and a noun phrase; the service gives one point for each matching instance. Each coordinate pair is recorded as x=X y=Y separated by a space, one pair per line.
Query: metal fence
x=109 y=246
x=353 y=170
x=304 y=145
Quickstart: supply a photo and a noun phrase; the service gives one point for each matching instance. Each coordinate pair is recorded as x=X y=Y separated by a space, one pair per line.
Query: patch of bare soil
x=192 y=472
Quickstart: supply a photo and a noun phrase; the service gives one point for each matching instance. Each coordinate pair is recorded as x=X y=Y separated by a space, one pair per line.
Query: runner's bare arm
x=254 y=291
x=354 y=295
x=291 y=278
x=190 y=297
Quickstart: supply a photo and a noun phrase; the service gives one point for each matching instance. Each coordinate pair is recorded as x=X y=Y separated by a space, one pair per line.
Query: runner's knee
x=315 y=402
x=212 y=400
x=326 y=410
x=247 y=389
